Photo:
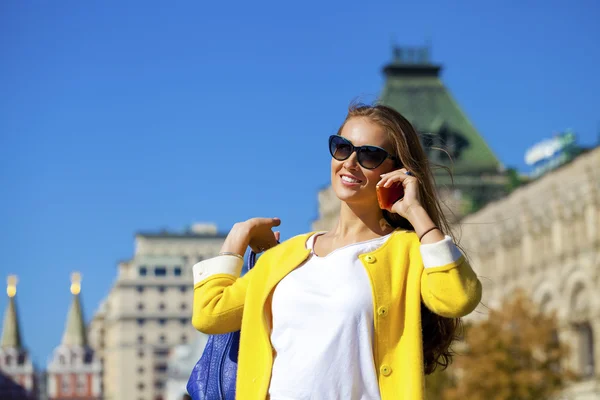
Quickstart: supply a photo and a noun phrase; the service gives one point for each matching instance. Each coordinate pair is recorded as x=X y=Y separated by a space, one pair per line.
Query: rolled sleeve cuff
x=441 y=253
x=230 y=265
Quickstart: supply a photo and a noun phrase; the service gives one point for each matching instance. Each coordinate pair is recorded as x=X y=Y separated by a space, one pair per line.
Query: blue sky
x=117 y=117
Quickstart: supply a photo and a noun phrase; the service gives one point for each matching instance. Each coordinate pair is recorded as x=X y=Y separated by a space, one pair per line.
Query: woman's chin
x=350 y=195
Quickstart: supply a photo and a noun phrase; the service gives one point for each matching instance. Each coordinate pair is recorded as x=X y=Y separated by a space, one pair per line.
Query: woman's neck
x=360 y=223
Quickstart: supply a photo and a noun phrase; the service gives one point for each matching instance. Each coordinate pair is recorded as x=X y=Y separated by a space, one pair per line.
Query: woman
x=363 y=311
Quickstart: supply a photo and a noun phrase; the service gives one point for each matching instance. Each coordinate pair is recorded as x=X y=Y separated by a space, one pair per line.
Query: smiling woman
x=363 y=311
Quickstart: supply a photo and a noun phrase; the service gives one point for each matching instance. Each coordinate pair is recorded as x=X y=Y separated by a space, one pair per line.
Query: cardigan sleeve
x=219 y=295
x=451 y=288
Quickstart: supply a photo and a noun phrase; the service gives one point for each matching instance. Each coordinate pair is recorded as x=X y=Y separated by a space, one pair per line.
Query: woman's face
x=351 y=182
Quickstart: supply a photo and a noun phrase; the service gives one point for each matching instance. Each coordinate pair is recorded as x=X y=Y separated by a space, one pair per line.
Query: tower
x=74 y=371
x=17 y=374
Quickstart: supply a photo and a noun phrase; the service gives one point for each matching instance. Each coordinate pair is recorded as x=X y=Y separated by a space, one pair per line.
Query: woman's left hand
x=411 y=199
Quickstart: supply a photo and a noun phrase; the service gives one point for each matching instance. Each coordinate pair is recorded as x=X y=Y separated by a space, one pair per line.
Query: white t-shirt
x=323 y=338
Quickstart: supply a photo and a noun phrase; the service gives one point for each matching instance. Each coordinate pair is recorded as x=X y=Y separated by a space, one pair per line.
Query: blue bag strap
x=252 y=259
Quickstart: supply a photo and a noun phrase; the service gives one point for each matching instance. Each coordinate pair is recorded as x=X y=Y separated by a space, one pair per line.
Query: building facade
x=74 y=372
x=147 y=312
x=545 y=238
x=17 y=373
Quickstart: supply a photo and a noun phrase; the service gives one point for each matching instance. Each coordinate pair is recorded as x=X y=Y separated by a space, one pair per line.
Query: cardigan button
x=385 y=370
x=382 y=311
x=370 y=259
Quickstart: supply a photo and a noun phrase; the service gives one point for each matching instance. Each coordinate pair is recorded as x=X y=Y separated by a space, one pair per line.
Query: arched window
x=585 y=344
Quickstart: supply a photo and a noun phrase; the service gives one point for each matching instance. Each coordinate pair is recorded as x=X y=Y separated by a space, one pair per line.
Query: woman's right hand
x=255 y=232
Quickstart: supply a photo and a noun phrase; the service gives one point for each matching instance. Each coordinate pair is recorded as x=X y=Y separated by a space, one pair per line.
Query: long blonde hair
x=438 y=332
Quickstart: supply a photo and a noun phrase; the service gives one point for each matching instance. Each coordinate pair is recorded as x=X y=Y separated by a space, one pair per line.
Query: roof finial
x=75 y=283
x=11 y=285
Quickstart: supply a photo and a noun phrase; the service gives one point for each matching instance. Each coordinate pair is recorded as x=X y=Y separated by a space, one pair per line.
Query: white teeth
x=349 y=180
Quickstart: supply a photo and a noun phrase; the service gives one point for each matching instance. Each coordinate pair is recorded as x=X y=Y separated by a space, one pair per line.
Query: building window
x=184 y=321
x=140 y=306
x=161 y=306
x=159 y=385
x=585 y=338
x=160 y=271
x=65 y=384
x=160 y=368
x=183 y=306
x=161 y=289
x=161 y=352
x=140 y=386
x=162 y=321
x=141 y=353
x=183 y=339
x=162 y=338
x=177 y=271
x=143 y=271
x=82 y=384
x=140 y=289
x=183 y=289
x=140 y=339
x=141 y=321
x=61 y=360
x=140 y=370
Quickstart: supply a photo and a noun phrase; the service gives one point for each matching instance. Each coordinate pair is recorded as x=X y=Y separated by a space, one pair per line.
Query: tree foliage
x=514 y=354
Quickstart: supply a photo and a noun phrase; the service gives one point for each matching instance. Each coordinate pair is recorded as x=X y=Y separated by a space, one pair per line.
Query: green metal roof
x=413 y=87
x=75 y=332
x=11 y=333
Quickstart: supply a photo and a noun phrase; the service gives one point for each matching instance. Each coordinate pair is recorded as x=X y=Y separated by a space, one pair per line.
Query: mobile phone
x=388 y=196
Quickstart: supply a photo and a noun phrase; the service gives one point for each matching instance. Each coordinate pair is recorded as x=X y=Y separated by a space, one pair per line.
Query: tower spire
x=75 y=334
x=11 y=332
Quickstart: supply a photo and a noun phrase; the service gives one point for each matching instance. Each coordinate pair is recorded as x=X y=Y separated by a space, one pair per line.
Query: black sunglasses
x=369 y=157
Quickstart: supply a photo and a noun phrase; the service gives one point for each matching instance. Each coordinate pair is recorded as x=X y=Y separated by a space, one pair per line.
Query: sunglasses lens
x=339 y=148
x=371 y=157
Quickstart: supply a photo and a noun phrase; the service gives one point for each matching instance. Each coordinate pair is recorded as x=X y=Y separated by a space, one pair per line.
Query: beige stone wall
x=545 y=238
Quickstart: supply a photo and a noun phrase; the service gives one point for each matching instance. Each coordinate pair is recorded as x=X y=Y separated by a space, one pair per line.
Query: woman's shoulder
x=297 y=242
x=400 y=241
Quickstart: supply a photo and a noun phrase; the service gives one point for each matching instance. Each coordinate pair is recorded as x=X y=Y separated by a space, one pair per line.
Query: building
x=17 y=373
x=74 y=372
x=181 y=362
x=414 y=88
x=148 y=310
x=545 y=238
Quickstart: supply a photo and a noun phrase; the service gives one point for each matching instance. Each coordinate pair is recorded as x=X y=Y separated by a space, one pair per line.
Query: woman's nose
x=351 y=162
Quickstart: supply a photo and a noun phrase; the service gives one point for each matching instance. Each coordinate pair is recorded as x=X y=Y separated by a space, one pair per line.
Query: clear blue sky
x=120 y=117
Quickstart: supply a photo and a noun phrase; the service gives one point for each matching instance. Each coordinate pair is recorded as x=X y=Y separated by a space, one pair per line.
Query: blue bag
x=214 y=375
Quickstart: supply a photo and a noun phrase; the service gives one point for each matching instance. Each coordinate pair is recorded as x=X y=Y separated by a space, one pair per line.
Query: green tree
x=513 y=355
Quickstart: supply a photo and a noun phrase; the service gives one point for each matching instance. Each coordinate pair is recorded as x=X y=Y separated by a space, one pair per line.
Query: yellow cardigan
x=225 y=303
